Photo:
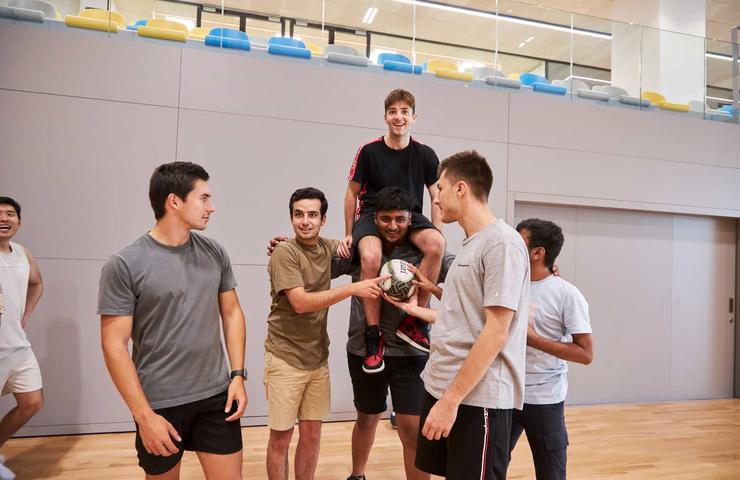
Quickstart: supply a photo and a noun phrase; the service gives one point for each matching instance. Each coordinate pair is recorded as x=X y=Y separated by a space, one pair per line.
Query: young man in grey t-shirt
x=559 y=331
x=475 y=375
x=166 y=292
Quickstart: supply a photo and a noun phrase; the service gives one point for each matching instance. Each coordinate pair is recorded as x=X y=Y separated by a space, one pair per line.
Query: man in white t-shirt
x=21 y=290
x=559 y=330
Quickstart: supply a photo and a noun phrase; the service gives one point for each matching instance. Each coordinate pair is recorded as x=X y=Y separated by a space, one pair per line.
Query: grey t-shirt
x=390 y=316
x=492 y=269
x=172 y=293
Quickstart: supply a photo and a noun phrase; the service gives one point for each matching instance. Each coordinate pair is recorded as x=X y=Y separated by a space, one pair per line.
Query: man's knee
x=431 y=242
x=31 y=403
x=310 y=432
x=371 y=252
x=367 y=421
x=280 y=440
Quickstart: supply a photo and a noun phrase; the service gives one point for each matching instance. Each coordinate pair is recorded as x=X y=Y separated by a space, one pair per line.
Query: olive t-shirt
x=299 y=339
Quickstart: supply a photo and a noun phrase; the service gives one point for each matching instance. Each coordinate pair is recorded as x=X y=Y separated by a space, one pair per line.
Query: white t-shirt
x=560 y=311
x=14 y=273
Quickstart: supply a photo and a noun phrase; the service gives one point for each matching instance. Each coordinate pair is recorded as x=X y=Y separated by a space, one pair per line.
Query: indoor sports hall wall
x=85 y=117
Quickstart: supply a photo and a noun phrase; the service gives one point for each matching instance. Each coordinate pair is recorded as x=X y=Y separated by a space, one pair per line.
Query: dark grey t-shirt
x=390 y=316
x=172 y=293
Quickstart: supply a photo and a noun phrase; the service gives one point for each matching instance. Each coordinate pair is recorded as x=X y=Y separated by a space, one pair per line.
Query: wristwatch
x=239 y=373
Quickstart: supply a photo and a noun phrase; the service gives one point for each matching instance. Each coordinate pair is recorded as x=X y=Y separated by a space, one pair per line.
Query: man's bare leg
x=217 y=467
x=363 y=437
x=277 y=454
x=408 y=432
x=432 y=244
x=307 y=451
x=27 y=405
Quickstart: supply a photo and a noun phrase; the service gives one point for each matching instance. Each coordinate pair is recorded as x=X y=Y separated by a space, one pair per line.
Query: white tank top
x=14 y=273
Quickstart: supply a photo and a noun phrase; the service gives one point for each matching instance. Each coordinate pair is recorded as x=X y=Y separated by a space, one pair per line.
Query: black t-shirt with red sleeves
x=377 y=166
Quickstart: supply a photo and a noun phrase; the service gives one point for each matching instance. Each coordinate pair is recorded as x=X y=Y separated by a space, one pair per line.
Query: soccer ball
x=400 y=286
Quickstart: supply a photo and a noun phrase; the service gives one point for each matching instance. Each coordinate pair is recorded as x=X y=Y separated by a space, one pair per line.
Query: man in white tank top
x=21 y=288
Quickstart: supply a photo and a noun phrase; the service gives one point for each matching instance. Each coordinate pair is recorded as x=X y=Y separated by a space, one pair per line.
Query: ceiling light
x=370 y=15
x=522 y=44
x=506 y=18
x=529 y=39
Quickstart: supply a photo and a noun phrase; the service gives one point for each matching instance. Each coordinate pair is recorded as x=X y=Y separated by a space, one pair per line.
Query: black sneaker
x=374 y=350
x=357 y=477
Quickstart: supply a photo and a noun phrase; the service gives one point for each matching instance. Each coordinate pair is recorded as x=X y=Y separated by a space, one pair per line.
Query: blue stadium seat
x=547 y=88
x=228 y=38
x=137 y=24
x=287 y=46
x=530 y=78
x=398 y=63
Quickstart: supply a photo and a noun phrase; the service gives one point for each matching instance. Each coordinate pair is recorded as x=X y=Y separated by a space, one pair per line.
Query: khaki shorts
x=293 y=393
x=20 y=373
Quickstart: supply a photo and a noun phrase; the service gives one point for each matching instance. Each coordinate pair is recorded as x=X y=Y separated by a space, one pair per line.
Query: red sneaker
x=411 y=331
x=374 y=350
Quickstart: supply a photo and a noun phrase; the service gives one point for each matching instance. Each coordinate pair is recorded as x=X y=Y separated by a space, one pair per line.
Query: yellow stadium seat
x=315 y=49
x=96 y=19
x=447 y=69
x=654 y=97
x=199 y=33
x=434 y=64
x=454 y=75
x=514 y=76
x=675 y=107
x=164 y=29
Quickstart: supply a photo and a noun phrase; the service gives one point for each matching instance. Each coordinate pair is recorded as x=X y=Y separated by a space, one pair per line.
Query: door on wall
x=659 y=289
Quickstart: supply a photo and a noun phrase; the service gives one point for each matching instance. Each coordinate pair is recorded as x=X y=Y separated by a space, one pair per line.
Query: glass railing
x=550 y=51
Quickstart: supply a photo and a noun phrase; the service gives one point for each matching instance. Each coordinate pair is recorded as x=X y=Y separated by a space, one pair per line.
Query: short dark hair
x=393 y=198
x=400 y=95
x=545 y=234
x=472 y=168
x=175 y=177
x=12 y=203
x=309 y=193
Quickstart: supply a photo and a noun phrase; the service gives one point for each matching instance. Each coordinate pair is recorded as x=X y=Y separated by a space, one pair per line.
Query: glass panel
x=593 y=60
x=719 y=80
x=462 y=36
x=389 y=24
x=537 y=33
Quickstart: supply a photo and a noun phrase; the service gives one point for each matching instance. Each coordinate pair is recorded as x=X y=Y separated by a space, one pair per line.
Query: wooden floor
x=687 y=440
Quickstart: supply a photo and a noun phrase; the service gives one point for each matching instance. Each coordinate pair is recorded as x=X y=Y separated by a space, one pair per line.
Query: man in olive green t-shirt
x=297 y=344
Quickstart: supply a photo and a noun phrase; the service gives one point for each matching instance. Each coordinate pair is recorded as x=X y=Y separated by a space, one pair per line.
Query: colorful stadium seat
x=96 y=19
x=228 y=38
x=289 y=47
x=164 y=29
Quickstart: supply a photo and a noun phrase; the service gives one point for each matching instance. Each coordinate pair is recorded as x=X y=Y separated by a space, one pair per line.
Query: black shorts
x=547 y=437
x=202 y=426
x=476 y=448
x=365 y=226
x=401 y=374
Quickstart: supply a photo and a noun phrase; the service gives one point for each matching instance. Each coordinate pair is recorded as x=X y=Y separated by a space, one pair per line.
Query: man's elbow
x=586 y=358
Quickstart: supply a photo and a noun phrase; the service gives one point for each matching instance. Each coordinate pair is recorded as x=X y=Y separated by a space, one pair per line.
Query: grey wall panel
x=38 y=58
x=623 y=267
x=256 y=163
x=592 y=175
x=559 y=123
x=81 y=169
x=261 y=84
x=64 y=332
x=254 y=296
x=702 y=335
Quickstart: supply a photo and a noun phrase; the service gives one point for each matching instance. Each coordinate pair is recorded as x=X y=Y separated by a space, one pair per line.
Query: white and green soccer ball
x=400 y=286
